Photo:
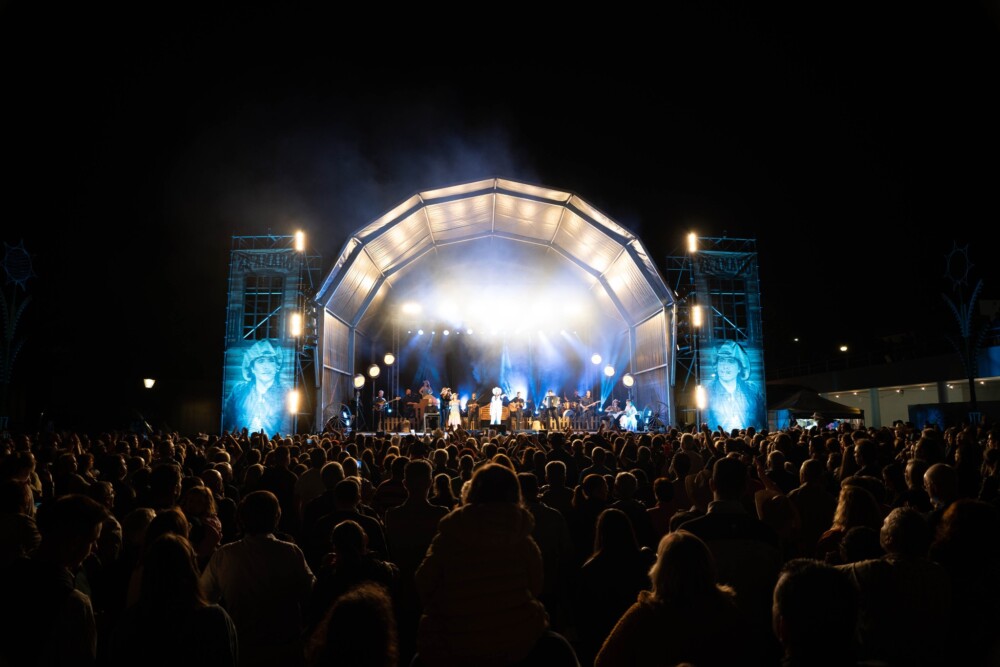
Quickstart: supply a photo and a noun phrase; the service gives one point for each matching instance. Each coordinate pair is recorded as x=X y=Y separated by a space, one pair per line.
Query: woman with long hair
x=172 y=624
x=856 y=506
x=687 y=617
x=609 y=580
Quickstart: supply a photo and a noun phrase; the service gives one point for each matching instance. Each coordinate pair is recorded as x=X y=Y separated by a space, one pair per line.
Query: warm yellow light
x=293 y=402
x=389 y=358
x=692 y=242
x=148 y=383
x=609 y=370
x=300 y=241
x=411 y=308
x=843 y=348
x=373 y=371
x=699 y=397
x=628 y=380
x=696 y=316
x=295 y=325
x=359 y=381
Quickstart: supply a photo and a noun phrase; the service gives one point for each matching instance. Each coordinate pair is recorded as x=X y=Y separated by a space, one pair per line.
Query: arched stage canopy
x=490 y=231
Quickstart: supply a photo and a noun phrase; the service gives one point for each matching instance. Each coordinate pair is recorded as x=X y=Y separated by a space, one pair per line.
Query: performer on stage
x=409 y=405
x=586 y=409
x=454 y=412
x=516 y=407
x=629 y=417
x=496 y=407
x=612 y=413
x=425 y=388
x=551 y=403
x=473 y=409
x=378 y=406
x=446 y=406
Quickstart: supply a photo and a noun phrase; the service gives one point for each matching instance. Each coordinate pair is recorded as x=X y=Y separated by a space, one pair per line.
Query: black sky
x=856 y=145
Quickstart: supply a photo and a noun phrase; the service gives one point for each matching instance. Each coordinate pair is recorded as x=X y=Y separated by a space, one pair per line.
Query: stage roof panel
x=496 y=212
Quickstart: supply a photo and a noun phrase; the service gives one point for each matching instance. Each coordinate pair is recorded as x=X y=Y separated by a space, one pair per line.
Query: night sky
x=857 y=146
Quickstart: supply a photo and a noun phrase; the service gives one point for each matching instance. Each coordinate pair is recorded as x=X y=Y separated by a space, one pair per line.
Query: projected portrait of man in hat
x=733 y=400
x=259 y=402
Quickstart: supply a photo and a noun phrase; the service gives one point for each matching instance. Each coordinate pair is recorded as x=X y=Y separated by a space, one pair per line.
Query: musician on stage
x=516 y=407
x=409 y=405
x=551 y=403
x=496 y=407
x=612 y=413
x=378 y=406
x=425 y=388
x=630 y=414
x=472 y=407
x=586 y=410
x=445 y=405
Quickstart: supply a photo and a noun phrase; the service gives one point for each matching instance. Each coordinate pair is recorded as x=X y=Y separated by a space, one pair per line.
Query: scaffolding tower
x=720 y=276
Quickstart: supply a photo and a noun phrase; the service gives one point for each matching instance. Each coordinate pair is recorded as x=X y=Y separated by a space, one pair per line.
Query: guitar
x=382 y=406
x=584 y=408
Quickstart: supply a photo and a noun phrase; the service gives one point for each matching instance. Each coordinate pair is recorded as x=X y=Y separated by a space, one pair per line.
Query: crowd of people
x=875 y=546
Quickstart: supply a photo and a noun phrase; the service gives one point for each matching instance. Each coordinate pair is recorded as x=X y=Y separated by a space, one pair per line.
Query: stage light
x=692 y=242
x=411 y=308
x=843 y=348
x=699 y=397
x=295 y=325
x=696 y=316
x=148 y=383
x=596 y=359
x=300 y=241
x=359 y=381
x=373 y=371
x=389 y=358
x=293 y=402
x=446 y=332
x=420 y=332
x=628 y=380
x=609 y=370
x=468 y=331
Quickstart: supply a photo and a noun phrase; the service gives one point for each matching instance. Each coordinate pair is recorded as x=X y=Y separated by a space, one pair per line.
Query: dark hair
x=170 y=576
x=816 y=601
x=70 y=517
x=494 y=483
x=259 y=512
x=359 y=630
x=614 y=533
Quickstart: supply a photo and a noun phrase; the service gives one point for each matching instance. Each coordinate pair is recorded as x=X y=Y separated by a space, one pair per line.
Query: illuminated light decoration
x=420 y=332
x=843 y=348
x=295 y=325
x=389 y=358
x=469 y=331
x=300 y=241
x=700 y=398
x=374 y=371
x=696 y=317
x=692 y=242
x=293 y=402
x=609 y=370
x=447 y=332
x=148 y=383
x=359 y=381
x=595 y=359
x=628 y=380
